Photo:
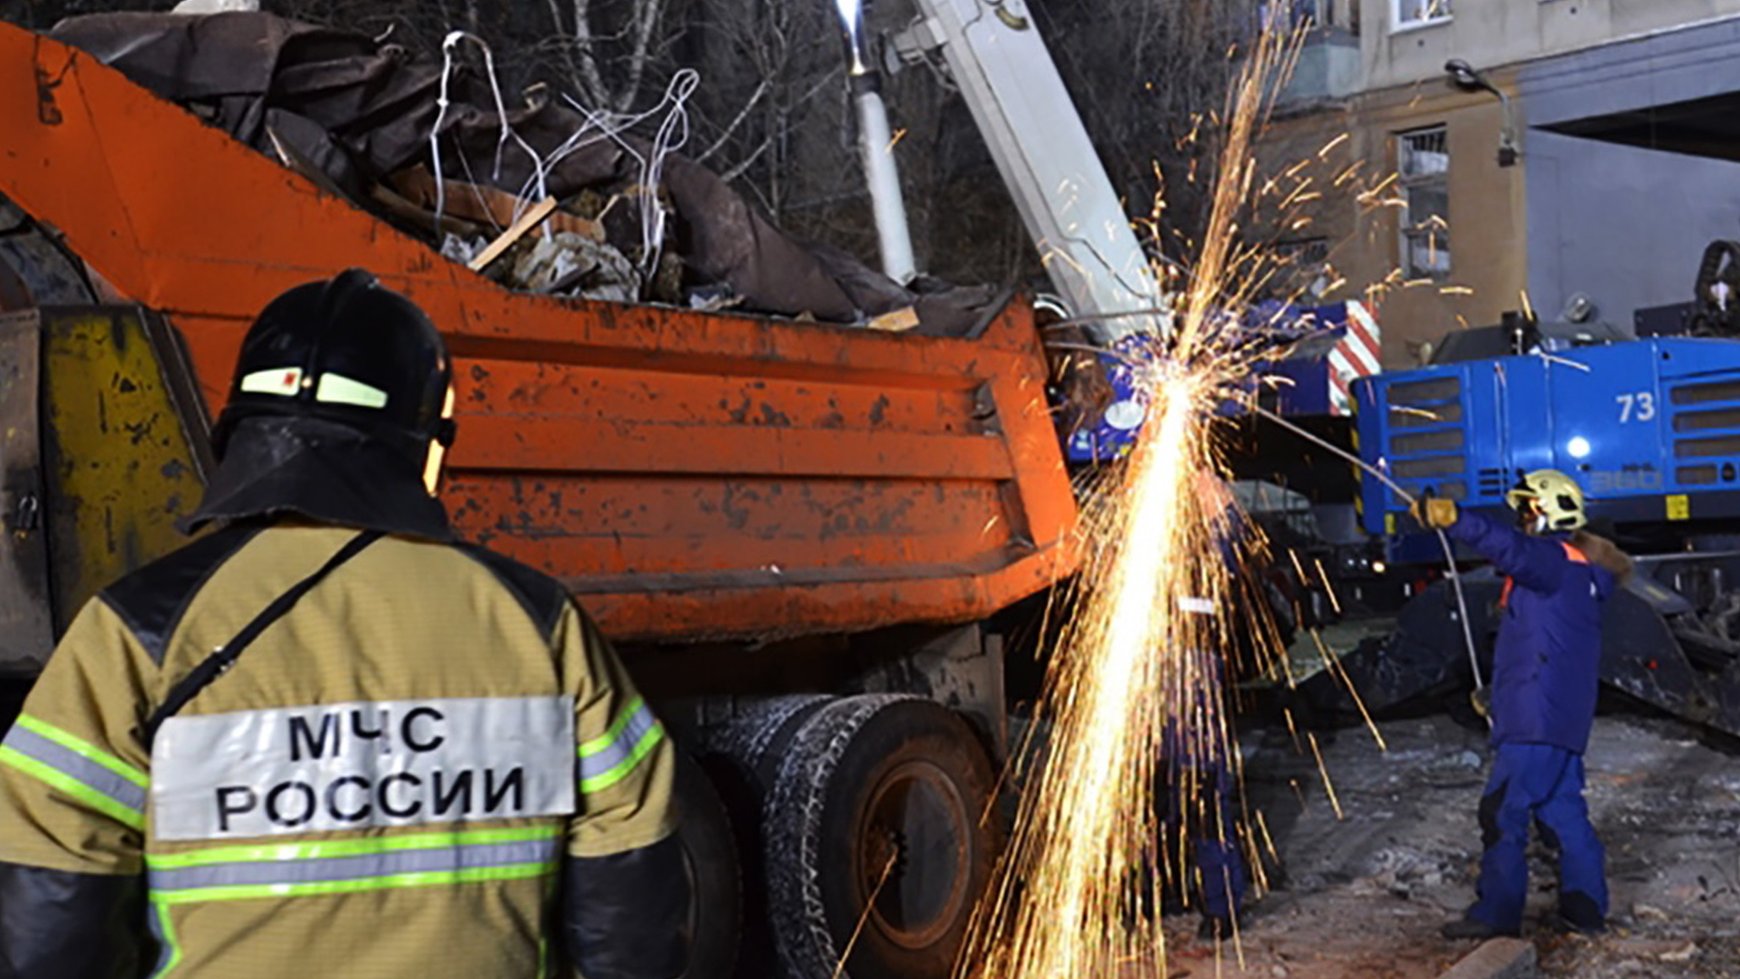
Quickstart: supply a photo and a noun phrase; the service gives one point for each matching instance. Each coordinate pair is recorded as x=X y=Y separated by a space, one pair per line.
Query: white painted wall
x=1490 y=33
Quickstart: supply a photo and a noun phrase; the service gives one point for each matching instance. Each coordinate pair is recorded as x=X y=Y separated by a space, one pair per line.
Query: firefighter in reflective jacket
x=424 y=761
x=1545 y=669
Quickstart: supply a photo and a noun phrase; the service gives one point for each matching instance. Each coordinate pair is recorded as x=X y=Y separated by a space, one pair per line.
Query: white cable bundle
x=672 y=134
x=442 y=102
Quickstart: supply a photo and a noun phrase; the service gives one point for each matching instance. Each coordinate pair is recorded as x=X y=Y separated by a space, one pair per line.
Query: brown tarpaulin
x=358 y=110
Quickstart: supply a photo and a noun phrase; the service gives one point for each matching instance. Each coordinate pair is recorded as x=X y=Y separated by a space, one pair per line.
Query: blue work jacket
x=1547 y=663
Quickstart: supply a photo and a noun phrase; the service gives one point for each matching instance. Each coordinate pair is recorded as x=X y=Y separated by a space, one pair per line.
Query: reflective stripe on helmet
x=287 y=382
x=236 y=873
x=338 y=389
x=281 y=381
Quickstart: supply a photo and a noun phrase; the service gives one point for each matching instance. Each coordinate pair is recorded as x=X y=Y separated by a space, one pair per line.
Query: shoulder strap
x=225 y=656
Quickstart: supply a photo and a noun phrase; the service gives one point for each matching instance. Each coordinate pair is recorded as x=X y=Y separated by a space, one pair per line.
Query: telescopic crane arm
x=994 y=55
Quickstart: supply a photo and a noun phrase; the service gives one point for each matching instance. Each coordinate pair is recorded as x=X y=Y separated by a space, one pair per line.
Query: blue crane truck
x=1650 y=429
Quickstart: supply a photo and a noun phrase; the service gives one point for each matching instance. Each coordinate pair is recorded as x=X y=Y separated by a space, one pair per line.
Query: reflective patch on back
x=359 y=765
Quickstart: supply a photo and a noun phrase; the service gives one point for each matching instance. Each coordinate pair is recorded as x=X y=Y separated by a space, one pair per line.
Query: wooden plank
x=533 y=217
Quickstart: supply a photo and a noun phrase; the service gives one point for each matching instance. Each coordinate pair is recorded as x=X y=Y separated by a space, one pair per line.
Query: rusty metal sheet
x=26 y=621
x=118 y=463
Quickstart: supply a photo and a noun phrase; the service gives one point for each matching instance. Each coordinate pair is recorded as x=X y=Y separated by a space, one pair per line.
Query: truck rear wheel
x=877 y=845
x=715 y=875
x=742 y=756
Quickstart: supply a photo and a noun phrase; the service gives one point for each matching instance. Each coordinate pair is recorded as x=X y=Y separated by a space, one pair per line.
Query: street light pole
x=1468 y=80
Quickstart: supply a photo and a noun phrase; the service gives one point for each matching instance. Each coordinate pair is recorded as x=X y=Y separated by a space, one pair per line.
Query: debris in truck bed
x=356 y=115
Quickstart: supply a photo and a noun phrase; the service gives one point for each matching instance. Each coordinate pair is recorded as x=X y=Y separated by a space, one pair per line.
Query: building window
x=1417 y=13
x=1302 y=271
x=1424 y=165
x=1302 y=252
x=1290 y=15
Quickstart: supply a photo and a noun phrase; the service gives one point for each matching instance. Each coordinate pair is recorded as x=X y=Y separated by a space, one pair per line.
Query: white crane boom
x=1007 y=77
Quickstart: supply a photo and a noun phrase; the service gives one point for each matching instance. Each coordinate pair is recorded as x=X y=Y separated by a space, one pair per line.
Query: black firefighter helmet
x=338 y=411
x=350 y=351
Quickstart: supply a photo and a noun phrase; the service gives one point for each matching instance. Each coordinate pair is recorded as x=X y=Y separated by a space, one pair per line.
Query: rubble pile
x=419 y=142
x=1364 y=894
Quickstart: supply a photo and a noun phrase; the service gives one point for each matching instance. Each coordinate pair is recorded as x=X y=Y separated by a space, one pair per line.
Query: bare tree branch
x=761 y=89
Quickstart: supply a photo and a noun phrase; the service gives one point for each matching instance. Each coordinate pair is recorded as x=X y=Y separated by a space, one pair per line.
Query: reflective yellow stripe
x=348 y=848
x=604 y=741
x=642 y=748
x=73 y=787
x=74 y=743
x=307 y=889
x=165 y=930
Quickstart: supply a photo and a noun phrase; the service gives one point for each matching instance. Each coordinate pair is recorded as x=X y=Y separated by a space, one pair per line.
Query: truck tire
x=755 y=740
x=715 y=874
x=742 y=755
x=876 y=828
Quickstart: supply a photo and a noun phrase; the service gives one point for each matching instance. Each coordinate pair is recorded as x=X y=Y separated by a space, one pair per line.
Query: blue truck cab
x=1649 y=428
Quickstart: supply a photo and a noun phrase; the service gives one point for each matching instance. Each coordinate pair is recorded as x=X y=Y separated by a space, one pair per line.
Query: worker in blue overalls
x=1200 y=808
x=1198 y=791
x=1545 y=668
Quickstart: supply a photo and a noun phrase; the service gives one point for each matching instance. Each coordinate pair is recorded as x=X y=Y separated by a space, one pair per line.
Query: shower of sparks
x=1134 y=696
x=1323 y=770
x=1332 y=663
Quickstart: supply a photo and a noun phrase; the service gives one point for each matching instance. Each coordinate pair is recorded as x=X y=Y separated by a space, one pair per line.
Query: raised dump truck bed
x=690 y=475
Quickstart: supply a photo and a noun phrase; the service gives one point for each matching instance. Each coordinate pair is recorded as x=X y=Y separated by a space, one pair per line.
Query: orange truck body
x=689 y=475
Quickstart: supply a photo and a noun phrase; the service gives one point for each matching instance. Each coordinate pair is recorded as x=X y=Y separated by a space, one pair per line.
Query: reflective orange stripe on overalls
x=1576 y=557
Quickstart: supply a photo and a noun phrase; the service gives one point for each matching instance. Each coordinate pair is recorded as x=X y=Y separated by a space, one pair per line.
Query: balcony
x=1328 y=69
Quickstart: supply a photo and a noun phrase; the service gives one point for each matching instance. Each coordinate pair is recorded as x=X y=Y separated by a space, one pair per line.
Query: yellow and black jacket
x=433 y=765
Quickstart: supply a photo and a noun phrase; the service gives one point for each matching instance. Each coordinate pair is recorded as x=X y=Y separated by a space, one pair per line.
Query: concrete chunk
x=1497 y=958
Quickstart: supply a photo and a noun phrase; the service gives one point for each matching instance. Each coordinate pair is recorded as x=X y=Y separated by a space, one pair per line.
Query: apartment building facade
x=1585 y=172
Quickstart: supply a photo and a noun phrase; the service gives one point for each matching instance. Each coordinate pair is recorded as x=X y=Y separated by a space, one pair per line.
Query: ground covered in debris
x=1364 y=894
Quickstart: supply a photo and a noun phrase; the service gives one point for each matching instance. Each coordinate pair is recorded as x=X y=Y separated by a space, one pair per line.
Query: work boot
x=1215 y=928
x=1473 y=928
x=1562 y=925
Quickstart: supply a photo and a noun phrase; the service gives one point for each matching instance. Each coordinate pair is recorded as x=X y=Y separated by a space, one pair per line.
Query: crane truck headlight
x=1578 y=447
x=1126 y=415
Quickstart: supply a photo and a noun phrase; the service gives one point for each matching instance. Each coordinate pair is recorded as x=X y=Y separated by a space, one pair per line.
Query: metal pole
x=876 y=149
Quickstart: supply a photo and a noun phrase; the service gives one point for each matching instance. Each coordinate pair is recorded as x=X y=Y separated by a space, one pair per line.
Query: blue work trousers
x=1201 y=806
x=1540 y=784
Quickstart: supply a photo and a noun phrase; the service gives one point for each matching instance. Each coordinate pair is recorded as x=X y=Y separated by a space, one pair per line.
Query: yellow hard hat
x=1557 y=496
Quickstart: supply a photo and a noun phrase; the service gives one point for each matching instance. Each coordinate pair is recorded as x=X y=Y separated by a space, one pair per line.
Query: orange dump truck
x=793 y=530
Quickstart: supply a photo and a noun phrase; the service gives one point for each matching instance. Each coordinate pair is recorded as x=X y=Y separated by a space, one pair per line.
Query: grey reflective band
x=377 y=863
x=67 y=764
x=608 y=759
x=168 y=946
x=389 y=864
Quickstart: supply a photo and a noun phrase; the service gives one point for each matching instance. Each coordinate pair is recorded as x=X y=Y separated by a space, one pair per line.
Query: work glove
x=1480 y=698
x=1434 y=512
